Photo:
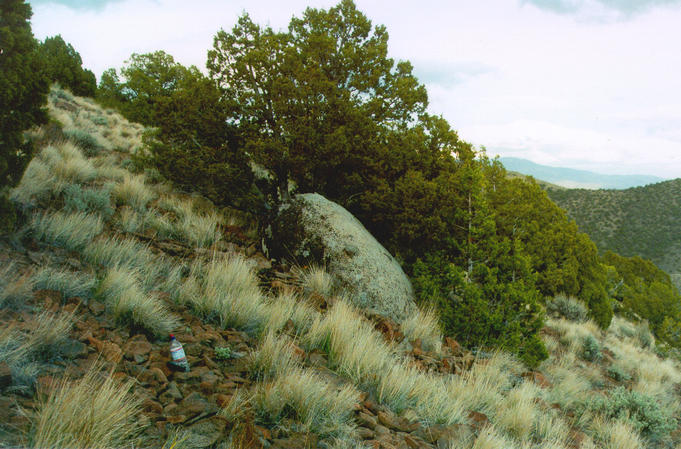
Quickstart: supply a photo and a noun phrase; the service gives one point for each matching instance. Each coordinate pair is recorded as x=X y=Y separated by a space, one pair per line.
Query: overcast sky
x=590 y=84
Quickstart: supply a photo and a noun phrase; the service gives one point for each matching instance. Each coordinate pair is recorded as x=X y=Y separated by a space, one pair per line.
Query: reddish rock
x=479 y=420
x=298 y=351
x=137 y=349
x=365 y=434
x=207 y=387
x=226 y=387
x=110 y=351
x=576 y=438
x=153 y=376
x=209 y=362
x=366 y=420
x=96 y=307
x=176 y=419
x=453 y=345
x=263 y=432
x=372 y=406
x=388 y=328
x=396 y=423
x=414 y=442
x=538 y=378
x=195 y=404
x=152 y=406
x=222 y=400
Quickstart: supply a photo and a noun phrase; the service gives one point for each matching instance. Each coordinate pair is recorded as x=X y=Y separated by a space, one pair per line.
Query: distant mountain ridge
x=576 y=179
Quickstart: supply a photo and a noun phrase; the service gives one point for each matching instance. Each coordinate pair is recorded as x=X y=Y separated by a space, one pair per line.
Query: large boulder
x=312 y=229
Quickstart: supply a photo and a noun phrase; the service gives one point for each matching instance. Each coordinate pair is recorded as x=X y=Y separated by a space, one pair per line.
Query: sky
x=587 y=84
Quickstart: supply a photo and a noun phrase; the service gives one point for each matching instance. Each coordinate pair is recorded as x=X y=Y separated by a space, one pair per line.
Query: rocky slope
x=109 y=261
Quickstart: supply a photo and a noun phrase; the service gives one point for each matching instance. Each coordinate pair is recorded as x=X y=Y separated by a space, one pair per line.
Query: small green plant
x=618 y=373
x=643 y=412
x=223 y=353
x=591 y=350
x=568 y=307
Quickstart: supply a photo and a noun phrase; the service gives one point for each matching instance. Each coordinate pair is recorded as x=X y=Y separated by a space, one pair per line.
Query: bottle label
x=177 y=354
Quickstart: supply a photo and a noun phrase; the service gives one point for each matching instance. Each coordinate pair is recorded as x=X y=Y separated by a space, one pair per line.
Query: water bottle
x=177 y=354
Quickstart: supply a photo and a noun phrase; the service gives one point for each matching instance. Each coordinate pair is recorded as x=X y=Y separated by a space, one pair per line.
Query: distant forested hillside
x=641 y=221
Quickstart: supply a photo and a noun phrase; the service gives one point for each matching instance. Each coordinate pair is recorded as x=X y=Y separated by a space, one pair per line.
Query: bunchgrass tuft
x=133 y=192
x=129 y=304
x=79 y=199
x=71 y=231
x=315 y=280
x=226 y=291
x=314 y=404
x=423 y=325
x=94 y=412
x=15 y=288
x=274 y=357
x=69 y=283
x=285 y=308
x=115 y=252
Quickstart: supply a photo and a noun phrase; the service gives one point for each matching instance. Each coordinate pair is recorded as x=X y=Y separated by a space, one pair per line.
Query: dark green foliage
x=23 y=92
x=8 y=214
x=591 y=350
x=194 y=145
x=640 y=221
x=618 y=374
x=486 y=314
x=95 y=199
x=643 y=412
x=647 y=292
x=568 y=307
x=316 y=102
x=63 y=64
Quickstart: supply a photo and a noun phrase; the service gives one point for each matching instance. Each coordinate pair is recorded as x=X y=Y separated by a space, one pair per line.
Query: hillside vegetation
x=641 y=221
x=126 y=232
x=115 y=259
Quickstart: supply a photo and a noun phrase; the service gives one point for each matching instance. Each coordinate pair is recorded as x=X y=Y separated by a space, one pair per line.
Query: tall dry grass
x=93 y=412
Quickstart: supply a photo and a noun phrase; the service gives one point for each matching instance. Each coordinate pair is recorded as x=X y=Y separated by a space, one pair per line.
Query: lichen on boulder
x=312 y=229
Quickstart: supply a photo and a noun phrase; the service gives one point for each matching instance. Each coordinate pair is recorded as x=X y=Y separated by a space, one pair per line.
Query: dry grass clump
x=225 y=290
x=48 y=333
x=313 y=403
x=71 y=231
x=517 y=413
x=424 y=325
x=128 y=302
x=490 y=438
x=68 y=163
x=274 y=357
x=15 y=288
x=482 y=388
x=133 y=192
x=315 y=280
x=192 y=227
x=38 y=185
x=615 y=434
x=288 y=307
x=354 y=348
x=48 y=174
x=69 y=283
x=116 y=252
x=94 y=412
